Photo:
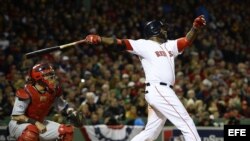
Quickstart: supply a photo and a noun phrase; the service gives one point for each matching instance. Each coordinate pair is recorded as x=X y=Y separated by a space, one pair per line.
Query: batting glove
x=199 y=22
x=93 y=39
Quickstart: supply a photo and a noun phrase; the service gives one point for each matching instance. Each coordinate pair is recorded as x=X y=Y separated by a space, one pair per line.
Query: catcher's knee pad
x=66 y=132
x=31 y=133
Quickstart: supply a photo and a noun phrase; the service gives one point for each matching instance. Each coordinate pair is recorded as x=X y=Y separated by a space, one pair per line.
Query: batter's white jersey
x=157 y=59
x=159 y=67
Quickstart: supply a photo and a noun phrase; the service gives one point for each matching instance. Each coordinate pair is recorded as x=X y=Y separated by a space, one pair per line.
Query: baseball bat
x=51 y=49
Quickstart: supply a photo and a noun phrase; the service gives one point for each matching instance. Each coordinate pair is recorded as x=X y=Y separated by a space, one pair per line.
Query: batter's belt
x=161 y=83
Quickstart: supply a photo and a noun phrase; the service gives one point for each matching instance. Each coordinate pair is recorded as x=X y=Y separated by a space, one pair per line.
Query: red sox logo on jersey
x=163 y=53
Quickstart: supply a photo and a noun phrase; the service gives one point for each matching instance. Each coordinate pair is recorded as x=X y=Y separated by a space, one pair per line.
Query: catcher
x=33 y=103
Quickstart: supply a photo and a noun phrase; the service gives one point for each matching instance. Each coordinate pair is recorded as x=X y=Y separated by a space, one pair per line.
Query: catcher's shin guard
x=65 y=132
x=31 y=133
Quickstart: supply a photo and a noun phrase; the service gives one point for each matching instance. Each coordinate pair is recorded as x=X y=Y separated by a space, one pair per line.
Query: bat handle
x=72 y=44
x=81 y=41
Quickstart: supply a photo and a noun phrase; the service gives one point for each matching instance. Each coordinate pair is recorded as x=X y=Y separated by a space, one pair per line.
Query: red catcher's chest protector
x=40 y=104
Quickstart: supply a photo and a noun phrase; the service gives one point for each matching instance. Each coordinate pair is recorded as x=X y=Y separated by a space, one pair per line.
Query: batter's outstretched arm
x=114 y=43
x=184 y=42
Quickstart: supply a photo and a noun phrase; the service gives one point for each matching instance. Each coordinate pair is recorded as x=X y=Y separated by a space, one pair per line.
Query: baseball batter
x=157 y=55
x=32 y=105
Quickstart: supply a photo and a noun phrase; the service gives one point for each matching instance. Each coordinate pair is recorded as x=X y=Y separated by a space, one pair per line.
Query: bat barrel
x=41 y=52
x=51 y=49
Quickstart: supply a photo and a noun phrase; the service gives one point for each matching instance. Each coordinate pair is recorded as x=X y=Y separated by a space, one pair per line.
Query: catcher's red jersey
x=40 y=104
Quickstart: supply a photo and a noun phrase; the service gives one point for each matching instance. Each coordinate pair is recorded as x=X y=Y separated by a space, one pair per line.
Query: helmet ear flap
x=30 y=79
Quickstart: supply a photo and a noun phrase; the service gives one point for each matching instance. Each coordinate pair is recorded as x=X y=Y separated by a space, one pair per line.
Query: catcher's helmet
x=153 y=28
x=41 y=73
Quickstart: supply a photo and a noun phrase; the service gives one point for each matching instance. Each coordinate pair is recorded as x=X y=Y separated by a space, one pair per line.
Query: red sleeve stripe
x=128 y=45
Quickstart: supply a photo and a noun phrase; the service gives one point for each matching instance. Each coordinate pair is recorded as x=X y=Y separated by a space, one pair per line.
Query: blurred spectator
x=232 y=116
x=4 y=42
x=85 y=111
x=216 y=54
x=131 y=113
x=180 y=93
x=141 y=107
x=100 y=113
x=94 y=119
x=8 y=100
x=103 y=100
x=90 y=101
x=114 y=112
x=71 y=99
x=192 y=104
x=204 y=92
x=213 y=109
x=245 y=109
x=205 y=120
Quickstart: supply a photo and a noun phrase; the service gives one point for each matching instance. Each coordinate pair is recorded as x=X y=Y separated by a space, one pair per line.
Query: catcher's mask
x=155 y=28
x=44 y=75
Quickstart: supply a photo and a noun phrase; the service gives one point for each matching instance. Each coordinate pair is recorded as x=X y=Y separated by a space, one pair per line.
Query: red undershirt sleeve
x=182 y=43
x=128 y=45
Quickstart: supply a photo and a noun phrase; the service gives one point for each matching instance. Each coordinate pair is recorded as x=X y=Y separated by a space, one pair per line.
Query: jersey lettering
x=160 y=53
x=170 y=53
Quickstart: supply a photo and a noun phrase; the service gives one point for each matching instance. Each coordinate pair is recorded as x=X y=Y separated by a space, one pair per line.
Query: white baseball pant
x=166 y=105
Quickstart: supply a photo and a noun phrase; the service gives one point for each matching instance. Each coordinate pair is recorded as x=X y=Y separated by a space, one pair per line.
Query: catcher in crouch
x=33 y=103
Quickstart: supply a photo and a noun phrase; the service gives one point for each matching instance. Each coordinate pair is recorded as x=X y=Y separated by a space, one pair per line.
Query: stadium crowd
x=213 y=75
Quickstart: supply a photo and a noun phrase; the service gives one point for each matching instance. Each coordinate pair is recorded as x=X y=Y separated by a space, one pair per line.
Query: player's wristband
x=30 y=120
x=117 y=41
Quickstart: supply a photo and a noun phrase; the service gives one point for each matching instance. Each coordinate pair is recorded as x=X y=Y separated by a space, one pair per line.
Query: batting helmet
x=41 y=73
x=153 y=28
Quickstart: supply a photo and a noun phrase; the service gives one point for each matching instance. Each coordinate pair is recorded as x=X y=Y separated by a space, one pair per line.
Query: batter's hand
x=93 y=39
x=199 y=22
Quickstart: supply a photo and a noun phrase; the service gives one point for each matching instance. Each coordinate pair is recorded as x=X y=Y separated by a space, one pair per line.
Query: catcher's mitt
x=76 y=119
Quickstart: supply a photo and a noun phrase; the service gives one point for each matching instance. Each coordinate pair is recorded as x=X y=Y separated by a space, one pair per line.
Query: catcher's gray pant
x=164 y=104
x=50 y=135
